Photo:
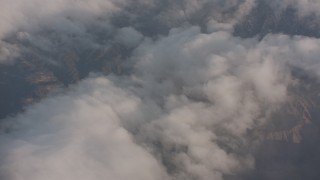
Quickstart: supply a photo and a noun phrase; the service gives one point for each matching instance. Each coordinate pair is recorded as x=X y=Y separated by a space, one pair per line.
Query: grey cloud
x=305 y=8
x=8 y=52
x=129 y=37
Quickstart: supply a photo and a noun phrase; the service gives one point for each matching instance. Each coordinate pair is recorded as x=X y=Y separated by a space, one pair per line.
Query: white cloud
x=77 y=136
x=20 y=14
x=176 y=97
x=183 y=112
x=189 y=93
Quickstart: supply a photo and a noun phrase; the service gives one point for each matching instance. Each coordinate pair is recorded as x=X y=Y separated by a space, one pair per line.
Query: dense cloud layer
x=189 y=107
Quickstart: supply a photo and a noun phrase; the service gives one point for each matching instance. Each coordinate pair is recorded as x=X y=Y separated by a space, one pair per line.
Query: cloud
x=66 y=20
x=81 y=137
x=184 y=113
x=8 y=52
x=22 y=14
x=64 y=17
x=304 y=7
x=129 y=37
x=184 y=109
